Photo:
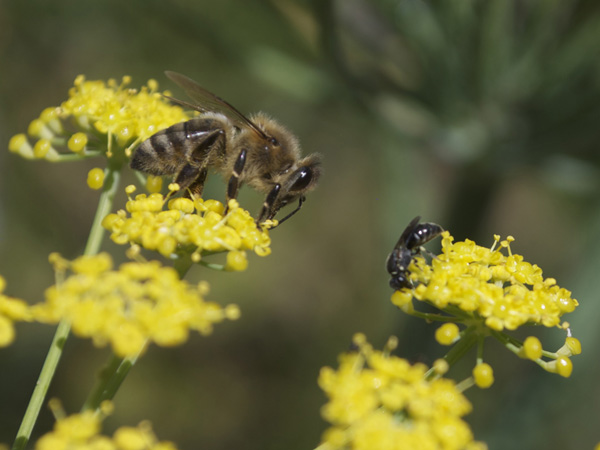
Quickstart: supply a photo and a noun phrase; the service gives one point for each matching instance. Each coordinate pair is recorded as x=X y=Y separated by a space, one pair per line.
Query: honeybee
x=257 y=151
x=412 y=238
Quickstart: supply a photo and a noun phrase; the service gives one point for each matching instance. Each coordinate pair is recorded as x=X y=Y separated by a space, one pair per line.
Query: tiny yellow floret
x=571 y=347
x=532 y=348
x=11 y=310
x=441 y=366
x=152 y=84
x=95 y=178
x=7 y=332
x=17 y=142
x=77 y=142
x=401 y=298
x=447 y=334
x=237 y=261
x=37 y=129
x=483 y=375
x=41 y=148
x=562 y=366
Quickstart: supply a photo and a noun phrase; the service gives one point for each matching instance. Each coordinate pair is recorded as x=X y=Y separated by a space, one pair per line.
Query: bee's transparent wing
x=208 y=102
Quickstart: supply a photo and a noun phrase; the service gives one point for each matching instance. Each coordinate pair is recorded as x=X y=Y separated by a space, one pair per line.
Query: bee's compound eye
x=274 y=142
x=304 y=178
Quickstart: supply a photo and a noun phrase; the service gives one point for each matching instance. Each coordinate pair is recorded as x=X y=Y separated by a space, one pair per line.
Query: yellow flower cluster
x=189 y=226
x=97 y=107
x=381 y=402
x=82 y=432
x=11 y=310
x=139 y=302
x=502 y=289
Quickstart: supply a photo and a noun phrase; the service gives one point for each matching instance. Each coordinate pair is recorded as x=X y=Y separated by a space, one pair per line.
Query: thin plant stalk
x=62 y=331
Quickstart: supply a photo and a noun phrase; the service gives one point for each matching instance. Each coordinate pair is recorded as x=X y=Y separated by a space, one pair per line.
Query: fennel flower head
x=83 y=431
x=129 y=306
x=382 y=402
x=494 y=284
x=196 y=227
x=490 y=291
x=94 y=111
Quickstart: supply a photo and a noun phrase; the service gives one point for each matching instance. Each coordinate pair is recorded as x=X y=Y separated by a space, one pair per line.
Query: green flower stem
x=512 y=344
x=111 y=378
x=62 y=331
x=74 y=156
x=433 y=317
x=468 y=339
x=213 y=266
x=465 y=384
x=182 y=264
x=42 y=385
x=479 y=350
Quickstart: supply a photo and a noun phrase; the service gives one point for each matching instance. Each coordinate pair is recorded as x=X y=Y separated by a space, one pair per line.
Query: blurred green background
x=480 y=115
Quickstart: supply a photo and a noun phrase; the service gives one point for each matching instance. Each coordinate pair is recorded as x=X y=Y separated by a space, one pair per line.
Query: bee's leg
x=266 y=211
x=195 y=189
x=233 y=186
x=300 y=202
x=186 y=176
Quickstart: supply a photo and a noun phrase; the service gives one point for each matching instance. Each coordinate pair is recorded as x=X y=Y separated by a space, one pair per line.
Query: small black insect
x=412 y=238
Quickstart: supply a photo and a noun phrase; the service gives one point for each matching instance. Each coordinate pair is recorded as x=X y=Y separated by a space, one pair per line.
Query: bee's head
x=276 y=140
x=297 y=181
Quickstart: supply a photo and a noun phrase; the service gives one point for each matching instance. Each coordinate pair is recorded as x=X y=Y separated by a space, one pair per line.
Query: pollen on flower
x=180 y=225
x=376 y=401
x=116 y=110
x=127 y=307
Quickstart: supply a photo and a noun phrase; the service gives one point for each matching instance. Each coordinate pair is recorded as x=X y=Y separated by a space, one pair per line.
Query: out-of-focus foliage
x=488 y=88
x=480 y=115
